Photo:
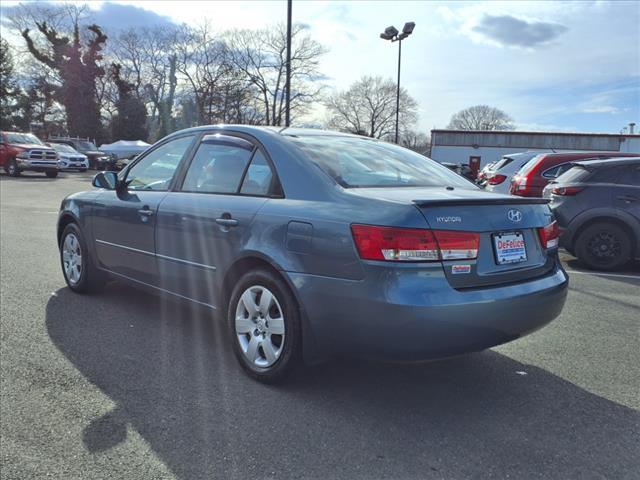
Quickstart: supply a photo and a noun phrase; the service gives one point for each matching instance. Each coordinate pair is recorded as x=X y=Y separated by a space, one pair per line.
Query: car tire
x=83 y=276
x=603 y=246
x=12 y=168
x=51 y=174
x=266 y=341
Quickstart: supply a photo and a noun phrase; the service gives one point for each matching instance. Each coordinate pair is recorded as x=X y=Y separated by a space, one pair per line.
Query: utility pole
x=287 y=115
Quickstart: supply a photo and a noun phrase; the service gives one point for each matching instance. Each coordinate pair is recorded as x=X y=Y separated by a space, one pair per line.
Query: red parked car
x=24 y=151
x=540 y=170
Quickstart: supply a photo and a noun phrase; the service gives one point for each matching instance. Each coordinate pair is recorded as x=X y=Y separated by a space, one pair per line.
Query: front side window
x=156 y=170
x=218 y=165
x=361 y=162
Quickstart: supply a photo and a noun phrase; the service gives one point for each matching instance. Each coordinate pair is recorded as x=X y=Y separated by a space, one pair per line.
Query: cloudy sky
x=571 y=66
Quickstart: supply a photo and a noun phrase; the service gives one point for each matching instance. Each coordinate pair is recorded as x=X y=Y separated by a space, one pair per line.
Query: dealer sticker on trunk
x=510 y=247
x=455 y=269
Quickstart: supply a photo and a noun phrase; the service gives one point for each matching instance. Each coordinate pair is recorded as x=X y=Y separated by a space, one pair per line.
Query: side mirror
x=106 y=180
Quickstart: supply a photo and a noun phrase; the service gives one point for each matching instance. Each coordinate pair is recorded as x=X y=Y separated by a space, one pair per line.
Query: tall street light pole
x=287 y=115
x=392 y=34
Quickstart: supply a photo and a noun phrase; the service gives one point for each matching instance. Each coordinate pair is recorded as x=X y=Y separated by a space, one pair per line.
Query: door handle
x=146 y=211
x=628 y=198
x=227 y=222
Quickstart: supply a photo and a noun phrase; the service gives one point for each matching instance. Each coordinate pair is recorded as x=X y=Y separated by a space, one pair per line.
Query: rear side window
x=606 y=175
x=555 y=172
x=259 y=177
x=218 y=165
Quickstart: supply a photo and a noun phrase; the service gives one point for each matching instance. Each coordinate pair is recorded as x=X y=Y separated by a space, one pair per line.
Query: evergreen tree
x=78 y=67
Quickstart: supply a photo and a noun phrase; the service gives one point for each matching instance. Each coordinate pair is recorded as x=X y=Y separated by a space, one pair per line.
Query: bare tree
x=202 y=60
x=481 y=117
x=261 y=56
x=149 y=61
x=416 y=141
x=368 y=108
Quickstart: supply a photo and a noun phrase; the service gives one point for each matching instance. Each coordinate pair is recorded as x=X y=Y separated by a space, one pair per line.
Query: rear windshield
x=24 y=138
x=529 y=165
x=577 y=173
x=362 y=162
x=502 y=163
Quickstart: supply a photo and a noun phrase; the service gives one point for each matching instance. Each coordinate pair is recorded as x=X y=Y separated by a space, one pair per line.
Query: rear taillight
x=518 y=183
x=456 y=245
x=497 y=179
x=549 y=235
x=413 y=244
x=566 y=191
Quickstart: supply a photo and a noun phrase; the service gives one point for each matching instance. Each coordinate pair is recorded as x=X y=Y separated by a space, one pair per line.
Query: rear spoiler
x=456 y=202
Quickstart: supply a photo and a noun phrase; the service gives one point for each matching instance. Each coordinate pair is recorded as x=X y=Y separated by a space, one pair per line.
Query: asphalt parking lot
x=127 y=385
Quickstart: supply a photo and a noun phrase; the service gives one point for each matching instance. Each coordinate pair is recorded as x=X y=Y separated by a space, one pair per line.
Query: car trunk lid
x=510 y=249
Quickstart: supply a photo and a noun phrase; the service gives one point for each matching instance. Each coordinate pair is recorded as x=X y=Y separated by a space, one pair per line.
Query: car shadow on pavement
x=171 y=373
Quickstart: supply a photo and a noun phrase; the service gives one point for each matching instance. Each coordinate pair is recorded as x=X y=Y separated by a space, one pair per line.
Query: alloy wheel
x=72 y=258
x=260 y=326
x=604 y=247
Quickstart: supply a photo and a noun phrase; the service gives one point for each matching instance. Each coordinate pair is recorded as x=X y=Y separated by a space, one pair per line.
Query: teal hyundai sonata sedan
x=311 y=244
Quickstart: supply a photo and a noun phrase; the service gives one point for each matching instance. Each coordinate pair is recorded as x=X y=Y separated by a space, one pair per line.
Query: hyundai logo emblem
x=514 y=215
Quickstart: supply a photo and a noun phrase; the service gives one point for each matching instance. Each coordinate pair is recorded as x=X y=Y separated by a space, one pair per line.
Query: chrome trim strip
x=157 y=255
x=213 y=307
x=180 y=260
x=104 y=242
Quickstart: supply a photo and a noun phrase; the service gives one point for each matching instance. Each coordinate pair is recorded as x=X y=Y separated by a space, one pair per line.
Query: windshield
x=363 y=162
x=87 y=146
x=23 y=138
x=61 y=147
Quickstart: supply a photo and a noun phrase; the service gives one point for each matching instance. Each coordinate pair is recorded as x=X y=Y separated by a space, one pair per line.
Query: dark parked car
x=97 y=160
x=597 y=206
x=534 y=176
x=313 y=243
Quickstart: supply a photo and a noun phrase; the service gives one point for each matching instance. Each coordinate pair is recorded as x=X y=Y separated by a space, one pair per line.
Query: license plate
x=510 y=247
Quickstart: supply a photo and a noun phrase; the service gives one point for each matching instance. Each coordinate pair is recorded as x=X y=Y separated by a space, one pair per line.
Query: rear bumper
x=417 y=316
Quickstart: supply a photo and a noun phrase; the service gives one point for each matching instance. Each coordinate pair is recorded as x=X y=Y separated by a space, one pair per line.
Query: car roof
x=608 y=162
x=275 y=130
x=578 y=155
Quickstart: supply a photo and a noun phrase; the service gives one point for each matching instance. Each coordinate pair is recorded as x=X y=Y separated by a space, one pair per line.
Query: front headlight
x=24 y=155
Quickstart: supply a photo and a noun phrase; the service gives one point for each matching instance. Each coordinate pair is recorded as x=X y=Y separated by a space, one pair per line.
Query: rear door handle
x=227 y=222
x=628 y=198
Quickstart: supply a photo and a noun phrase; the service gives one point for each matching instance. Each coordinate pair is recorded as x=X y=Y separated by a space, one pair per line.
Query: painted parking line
x=601 y=274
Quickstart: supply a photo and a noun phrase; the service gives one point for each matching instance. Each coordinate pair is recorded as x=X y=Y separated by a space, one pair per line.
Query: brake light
x=413 y=244
x=497 y=179
x=549 y=235
x=566 y=191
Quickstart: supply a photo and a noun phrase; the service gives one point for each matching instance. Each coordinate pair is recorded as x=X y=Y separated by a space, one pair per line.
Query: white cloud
x=447 y=65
